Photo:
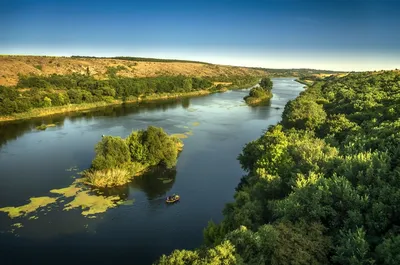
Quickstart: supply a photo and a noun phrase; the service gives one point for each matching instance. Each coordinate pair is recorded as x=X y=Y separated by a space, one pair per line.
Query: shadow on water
x=262 y=110
x=121 y=191
x=155 y=183
x=185 y=102
x=10 y=131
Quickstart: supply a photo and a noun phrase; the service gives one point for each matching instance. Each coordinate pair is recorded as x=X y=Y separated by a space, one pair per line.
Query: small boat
x=172 y=199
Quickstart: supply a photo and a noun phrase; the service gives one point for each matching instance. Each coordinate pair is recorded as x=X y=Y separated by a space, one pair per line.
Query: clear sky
x=337 y=35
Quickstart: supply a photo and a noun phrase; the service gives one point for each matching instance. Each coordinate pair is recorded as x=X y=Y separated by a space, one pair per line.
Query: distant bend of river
x=34 y=162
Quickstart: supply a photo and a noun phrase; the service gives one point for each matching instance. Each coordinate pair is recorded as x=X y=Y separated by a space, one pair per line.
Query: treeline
x=238 y=81
x=294 y=72
x=58 y=90
x=323 y=186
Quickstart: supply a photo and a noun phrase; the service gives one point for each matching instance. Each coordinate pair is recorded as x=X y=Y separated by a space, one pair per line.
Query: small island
x=118 y=160
x=260 y=93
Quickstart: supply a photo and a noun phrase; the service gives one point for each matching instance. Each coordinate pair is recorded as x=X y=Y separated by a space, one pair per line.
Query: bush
x=111 y=152
x=118 y=159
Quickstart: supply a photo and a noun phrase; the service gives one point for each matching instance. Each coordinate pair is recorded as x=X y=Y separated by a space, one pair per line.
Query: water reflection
x=262 y=111
x=185 y=103
x=155 y=183
x=121 y=191
x=12 y=130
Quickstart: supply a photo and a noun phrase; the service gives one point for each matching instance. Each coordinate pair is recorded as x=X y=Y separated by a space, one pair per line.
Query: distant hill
x=11 y=66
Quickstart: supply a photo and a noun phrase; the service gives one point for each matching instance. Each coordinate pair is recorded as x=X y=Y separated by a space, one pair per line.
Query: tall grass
x=114 y=176
x=108 y=177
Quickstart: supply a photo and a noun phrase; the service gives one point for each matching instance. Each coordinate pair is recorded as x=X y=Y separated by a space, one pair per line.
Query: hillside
x=11 y=66
x=99 y=67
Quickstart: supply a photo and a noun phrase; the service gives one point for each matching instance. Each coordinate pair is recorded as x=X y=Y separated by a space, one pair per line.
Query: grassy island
x=260 y=93
x=118 y=160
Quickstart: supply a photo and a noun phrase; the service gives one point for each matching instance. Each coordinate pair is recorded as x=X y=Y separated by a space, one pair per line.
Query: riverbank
x=42 y=112
x=304 y=82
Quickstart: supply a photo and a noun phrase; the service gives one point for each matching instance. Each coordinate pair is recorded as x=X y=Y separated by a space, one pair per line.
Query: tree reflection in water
x=156 y=182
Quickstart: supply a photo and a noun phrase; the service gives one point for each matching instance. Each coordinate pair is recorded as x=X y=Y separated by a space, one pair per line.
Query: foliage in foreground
x=323 y=186
x=117 y=160
x=261 y=93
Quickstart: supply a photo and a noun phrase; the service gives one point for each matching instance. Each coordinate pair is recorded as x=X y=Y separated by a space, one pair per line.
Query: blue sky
x=337 y=35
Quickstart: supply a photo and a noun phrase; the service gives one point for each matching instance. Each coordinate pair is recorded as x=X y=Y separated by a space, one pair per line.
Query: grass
x=254 y=101
x=45 y=126
x=108 y=177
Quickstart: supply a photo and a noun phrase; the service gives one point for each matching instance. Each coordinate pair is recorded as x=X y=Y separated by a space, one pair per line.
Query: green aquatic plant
x=92 y=204
x=35 y=203
x=18 y=225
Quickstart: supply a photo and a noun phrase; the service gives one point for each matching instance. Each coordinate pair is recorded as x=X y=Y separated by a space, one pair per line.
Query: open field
x=12 y=66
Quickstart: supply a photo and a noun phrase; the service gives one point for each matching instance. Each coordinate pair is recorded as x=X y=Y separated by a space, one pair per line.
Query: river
x=34 y=162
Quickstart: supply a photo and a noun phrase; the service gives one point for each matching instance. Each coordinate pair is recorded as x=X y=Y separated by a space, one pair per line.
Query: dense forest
x=322 y=186
x=57 y=90
x=260 y=93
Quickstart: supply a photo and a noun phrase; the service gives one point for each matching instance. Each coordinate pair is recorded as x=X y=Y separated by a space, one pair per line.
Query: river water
x=34 y=162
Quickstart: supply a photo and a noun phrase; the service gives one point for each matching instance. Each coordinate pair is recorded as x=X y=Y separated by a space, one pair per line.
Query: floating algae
x=18 y=225
x=182 y=126
x=179 y=135
x=73 y=168
x=166 y=181
x=127 y=202
x=36 y=203
x=196 y=123
x=191 y=109
x=91 y=204
x=189 y=133
x=70 y=191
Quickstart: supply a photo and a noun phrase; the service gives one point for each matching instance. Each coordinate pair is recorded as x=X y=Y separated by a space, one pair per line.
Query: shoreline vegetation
x=37 y=86
x=58 y=94
x=43 y=112
x=119 y=160
x=322 y=184
x=260 y=94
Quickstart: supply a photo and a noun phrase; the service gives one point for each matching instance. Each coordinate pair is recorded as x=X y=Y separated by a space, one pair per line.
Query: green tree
x=266 y=83
x=111 y=152
x=352 y=248
x=389 y=251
